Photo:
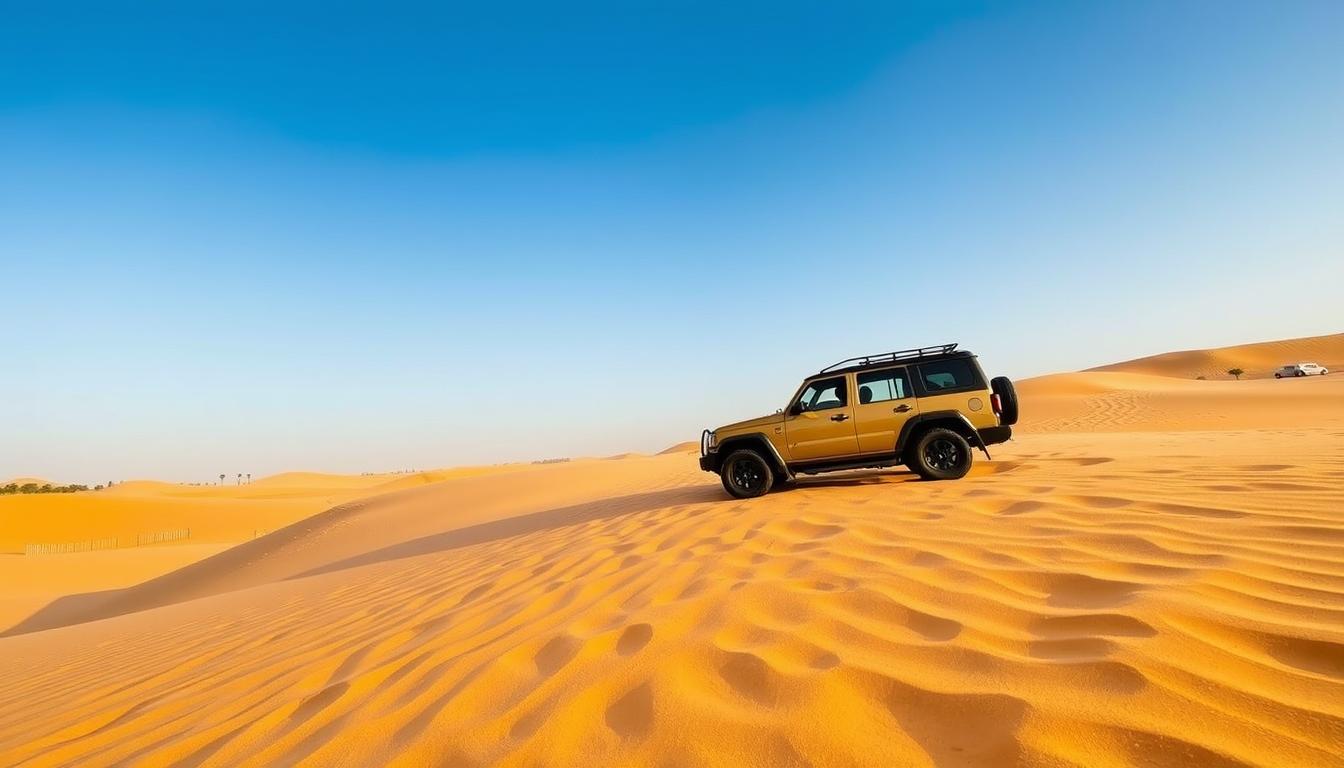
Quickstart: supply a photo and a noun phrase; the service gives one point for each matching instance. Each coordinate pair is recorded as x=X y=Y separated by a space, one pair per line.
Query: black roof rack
x=891 y=357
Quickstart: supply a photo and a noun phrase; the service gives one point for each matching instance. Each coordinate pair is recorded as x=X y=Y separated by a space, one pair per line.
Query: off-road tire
x=1003 y=387
x=1299 y=373
x=940 y=454
x=746 y=474
x=1278 y=375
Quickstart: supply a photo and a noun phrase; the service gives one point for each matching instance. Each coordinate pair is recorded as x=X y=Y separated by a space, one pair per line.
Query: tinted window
x=826 y=393
x=877 y=386
x=948 y=376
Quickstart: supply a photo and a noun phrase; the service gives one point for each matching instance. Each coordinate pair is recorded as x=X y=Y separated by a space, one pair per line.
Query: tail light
x=996 y=403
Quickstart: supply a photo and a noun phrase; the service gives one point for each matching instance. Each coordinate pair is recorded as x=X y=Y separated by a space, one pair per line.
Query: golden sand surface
x=1151 y=573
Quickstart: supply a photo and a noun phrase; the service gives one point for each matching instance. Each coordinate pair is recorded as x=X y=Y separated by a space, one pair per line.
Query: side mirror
x=796 y=408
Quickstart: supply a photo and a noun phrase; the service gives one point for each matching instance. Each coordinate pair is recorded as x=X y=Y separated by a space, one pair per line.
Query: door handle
x=839 y=417
x=901 y=408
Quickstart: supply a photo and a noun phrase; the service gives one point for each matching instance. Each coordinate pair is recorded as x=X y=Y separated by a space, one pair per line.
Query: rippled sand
x=1146 y=588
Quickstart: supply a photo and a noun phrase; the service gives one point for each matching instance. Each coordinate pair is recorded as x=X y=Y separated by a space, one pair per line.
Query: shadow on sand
x=560 y=517
x=212 y=575
x=853 y=478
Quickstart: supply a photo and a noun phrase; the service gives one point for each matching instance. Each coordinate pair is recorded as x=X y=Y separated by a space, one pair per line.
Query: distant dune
x=1125 y=402
x=1151 y=573
x=125 y=521
x=690 y=446
x=26 y=480
x=1258 y=360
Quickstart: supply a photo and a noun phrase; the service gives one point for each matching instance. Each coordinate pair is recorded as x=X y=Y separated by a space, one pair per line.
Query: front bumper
x=708 y=452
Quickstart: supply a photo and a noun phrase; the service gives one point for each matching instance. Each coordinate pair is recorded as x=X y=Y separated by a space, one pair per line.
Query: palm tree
x=240 y=478
x=221 y=478
x=249 y=478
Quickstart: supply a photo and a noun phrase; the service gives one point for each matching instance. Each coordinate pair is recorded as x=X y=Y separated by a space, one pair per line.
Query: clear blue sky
x=237 y=237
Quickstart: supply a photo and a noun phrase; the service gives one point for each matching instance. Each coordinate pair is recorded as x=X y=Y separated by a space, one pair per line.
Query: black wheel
x=1299 y=373
x=746 y=474
x=940 y=454
x=1003 y=387
x=1278 y=375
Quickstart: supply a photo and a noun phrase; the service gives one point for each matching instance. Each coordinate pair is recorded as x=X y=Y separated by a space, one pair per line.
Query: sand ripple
x=1068 y=605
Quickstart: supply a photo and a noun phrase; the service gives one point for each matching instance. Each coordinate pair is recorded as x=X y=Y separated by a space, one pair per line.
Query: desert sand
x=209 y=520
x=1151 y=573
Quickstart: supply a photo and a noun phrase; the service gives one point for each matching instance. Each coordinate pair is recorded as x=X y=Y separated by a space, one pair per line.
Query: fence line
x=90 y=545
x=69 y=547
x=159 y=537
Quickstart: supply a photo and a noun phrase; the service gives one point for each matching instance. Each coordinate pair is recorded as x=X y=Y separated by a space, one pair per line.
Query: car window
x=823 y=394
x=879 y=386
x=948 y=375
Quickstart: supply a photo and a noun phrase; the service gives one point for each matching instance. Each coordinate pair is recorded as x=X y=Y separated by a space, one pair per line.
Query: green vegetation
x=1235 y=373
x=44 y=488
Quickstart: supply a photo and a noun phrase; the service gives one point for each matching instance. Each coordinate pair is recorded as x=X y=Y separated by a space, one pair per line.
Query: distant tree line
x=44 y=488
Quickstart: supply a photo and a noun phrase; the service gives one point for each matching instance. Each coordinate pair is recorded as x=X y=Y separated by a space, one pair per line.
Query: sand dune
x=690 y=446
x=227 y=513
x=1153 y=573
x=1126 y=402
x=27 y=480
x=211 y=519
x=1258 y=360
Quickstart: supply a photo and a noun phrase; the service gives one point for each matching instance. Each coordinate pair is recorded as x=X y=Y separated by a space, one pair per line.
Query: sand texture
x=1152 y=573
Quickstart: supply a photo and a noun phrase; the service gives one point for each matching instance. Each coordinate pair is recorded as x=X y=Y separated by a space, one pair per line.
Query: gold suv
x=925 y=408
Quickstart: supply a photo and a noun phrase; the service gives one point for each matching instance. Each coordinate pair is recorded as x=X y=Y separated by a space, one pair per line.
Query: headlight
x=708 y=442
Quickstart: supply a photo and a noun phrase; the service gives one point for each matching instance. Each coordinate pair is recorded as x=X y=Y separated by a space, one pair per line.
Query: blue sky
x=246 y=239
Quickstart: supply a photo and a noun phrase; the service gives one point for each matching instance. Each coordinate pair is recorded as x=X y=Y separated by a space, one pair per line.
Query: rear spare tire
x=1003 y=387
x=746 y=474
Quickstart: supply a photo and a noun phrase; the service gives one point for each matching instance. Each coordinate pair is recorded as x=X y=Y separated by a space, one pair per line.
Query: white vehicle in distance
x=1301 y=369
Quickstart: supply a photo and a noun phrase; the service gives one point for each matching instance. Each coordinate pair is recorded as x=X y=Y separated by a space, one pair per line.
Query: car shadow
x=521 y=525
x=852 y=478
x=93 y=606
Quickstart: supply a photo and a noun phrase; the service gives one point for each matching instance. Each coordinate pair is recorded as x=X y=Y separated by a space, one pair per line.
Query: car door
x=886 y=402
x=819 y=424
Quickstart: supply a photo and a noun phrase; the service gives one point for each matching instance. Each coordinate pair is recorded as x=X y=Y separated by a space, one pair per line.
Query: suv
x=1301 y=369
x=925 y=408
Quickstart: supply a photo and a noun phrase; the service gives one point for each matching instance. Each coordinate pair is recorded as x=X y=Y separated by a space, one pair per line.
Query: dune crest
x=1101 y=401
x=1258 y=360
x=689 y=446
x=27 y=480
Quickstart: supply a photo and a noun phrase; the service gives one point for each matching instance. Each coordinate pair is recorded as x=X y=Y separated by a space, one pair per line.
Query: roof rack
x=891 y=357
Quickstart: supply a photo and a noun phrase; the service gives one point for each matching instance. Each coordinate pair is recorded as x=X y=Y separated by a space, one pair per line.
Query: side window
x=823 y=394
x=948 y=376
x=878 y=386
